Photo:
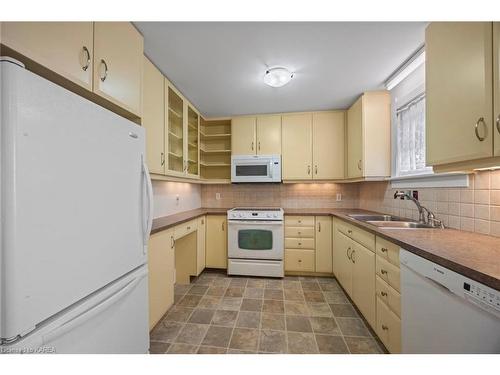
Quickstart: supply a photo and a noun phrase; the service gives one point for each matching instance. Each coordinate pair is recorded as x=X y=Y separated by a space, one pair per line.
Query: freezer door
x=75 y=199
x=112 y=320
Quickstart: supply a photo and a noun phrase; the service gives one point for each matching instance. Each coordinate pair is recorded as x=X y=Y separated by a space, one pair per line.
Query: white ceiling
x=219 y=66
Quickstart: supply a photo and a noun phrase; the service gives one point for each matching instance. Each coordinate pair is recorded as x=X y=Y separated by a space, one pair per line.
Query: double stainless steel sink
x=390 y=222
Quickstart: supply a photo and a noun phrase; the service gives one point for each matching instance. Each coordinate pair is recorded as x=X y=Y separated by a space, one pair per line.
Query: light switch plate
x=339 y=197
x=217 y=196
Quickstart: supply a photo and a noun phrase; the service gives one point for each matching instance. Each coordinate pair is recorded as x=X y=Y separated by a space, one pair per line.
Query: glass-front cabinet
x=193 y=126
x=175 y=118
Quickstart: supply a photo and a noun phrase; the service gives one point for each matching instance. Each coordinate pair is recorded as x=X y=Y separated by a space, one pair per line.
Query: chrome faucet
x=429 y=219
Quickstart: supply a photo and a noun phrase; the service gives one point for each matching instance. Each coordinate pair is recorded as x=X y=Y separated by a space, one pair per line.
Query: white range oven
x=255 y=242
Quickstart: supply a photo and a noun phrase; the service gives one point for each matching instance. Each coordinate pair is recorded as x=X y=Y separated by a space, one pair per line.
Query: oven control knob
x=275 y=215
x=268 y=215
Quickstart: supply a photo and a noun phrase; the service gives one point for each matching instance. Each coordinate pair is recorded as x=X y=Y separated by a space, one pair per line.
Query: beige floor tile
x=298 y=323
x=211 y=350
x=301 y=343
x=296 y=308
x=244 y=339
x=179 y=348
x=217 y=336
x=201 y=316
x=226 y=318
x=248 y=319
x=353 y=327
x=273 y=321
x=249 y=304
x=192 y=334
x=158 y=347
x=272 y=341
x=166 y=331
x=323 y=325
x=273 y=306
x=331 y=344
x=362 y=345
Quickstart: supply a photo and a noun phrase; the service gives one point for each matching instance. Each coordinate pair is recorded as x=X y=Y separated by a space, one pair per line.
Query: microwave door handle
x=271 y=168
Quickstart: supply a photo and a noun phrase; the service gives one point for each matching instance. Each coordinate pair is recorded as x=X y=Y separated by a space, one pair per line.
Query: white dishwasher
x=445 y=312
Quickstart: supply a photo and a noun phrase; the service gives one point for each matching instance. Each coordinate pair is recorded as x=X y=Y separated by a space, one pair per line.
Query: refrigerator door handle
x=149 y=194
x=91 y=311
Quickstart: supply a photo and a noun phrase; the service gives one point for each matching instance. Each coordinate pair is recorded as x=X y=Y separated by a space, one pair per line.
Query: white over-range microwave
x=256 y=168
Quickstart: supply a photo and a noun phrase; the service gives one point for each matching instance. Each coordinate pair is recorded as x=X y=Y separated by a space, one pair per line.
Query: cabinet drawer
x=388 y=272
x=387 y=250
x=359 y=235
x=388 y=295
x=299 y=243
x=299 y=260
x=299 y=221
x=184 y=229
x=299 y=232
x=388 y=327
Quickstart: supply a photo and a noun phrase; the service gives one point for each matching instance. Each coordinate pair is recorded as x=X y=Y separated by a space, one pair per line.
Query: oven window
x=251 y=170
x=255 y=239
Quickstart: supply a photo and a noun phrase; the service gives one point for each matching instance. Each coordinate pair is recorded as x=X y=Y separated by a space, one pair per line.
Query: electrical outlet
x=339 y=197
x=217 y=196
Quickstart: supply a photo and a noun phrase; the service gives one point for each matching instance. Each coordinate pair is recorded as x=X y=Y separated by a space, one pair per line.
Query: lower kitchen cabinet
x=161 y=274
x=388 y=327
x=201 y=246
x=216 y=241
x=363 y=281
x=342 y=261
x=299 y=260
x=324 y=262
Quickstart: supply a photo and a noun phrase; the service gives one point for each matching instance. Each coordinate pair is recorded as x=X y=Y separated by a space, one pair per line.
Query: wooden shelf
x=215 y=164
x=215 y=151
x=175 y=113
x=175 y=155
x=174 y=135
x=192 y=161
x=214 y=136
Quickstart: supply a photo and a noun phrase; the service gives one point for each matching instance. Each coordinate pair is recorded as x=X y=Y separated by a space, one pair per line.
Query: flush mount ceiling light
x=277 y=77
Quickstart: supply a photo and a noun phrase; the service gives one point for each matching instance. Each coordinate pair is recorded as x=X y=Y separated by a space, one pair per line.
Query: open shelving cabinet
x=215 y=150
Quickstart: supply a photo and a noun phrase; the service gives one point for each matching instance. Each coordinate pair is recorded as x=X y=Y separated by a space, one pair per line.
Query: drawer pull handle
x=384 y=294
x=300 y=233
x=87 y=60
x=476 y=130
x=300 y=260
x=349 y=231
x=384 y=250
x=103 y=77
x=188 y=228
x=384 y=327
x=202 y=221
x=300 y=243
x=384 y=272
x=348 y=255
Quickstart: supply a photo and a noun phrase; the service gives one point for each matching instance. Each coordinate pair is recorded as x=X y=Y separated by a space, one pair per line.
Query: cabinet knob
x=300 y=243
x=315 y=169
x=476 y=129
x=497 y=122
x=384 y=249
x=384 y=272
x=308 y=169
x=383 y=294
x=259 y=146
x=188 y=228
x=87 y=60
x=252 y=145
x=103 y=77
x=162 y=159
x=384 y=327
x=349 y=231
x=359 y=164
x=300 y=260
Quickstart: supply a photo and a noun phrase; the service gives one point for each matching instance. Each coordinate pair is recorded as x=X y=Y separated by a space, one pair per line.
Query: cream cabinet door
x=243 y=137
x=342 y=260
x=296 y=136
x=269 y=135
x=328 y=145
x=201 y=246
x=363 y=281
x=67 y=48
x=496 y=85
x=161 y=274
x=458 y=91
x=355 y=140
x=324 y=261
x=153 y=117
x=216 y=241
x=118 y=57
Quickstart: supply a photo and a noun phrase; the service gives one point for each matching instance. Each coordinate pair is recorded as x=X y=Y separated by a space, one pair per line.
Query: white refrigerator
x=76 y=206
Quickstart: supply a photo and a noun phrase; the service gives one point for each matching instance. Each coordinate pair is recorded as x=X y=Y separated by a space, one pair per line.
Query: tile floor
x=218 y=314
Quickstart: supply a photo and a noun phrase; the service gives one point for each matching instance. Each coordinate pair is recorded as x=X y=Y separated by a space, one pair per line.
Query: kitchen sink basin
x=399 y=224
x=383 y=218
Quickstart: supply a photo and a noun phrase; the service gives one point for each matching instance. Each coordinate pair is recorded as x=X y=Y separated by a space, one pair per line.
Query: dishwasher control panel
x=483 y=296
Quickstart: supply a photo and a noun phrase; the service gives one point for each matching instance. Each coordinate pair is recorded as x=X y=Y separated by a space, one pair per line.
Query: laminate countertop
x=474 y=255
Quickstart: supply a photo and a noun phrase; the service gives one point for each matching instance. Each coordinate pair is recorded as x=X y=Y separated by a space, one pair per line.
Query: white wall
x=165 y=194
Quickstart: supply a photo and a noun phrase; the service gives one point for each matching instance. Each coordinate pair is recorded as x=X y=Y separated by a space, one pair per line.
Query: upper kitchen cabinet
x=259 y=135
x=118 y=57
x=153 y=117
x=313 y=146
x=296 y=136
x=269 y=135
x=496 y=86
x=174 y=108
x=369 y=137
x=459 y=89
x=66 y=48
x=328 y=145
x=192 y=139
x=243 y=136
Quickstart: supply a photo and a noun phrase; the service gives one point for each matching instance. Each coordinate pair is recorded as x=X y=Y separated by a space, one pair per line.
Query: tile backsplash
x=280 y=195
x=474 y=209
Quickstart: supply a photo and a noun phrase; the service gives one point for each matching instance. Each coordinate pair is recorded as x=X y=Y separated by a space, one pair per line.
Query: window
x=410 y=129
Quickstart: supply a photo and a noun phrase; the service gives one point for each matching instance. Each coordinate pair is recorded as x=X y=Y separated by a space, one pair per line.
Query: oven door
x=255 y=239
x=253 y=169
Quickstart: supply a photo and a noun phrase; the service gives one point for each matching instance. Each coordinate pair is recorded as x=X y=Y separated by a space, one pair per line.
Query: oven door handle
x=255 y=222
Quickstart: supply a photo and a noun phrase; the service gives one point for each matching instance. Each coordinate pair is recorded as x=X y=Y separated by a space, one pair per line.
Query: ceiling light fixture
x=277 y=77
